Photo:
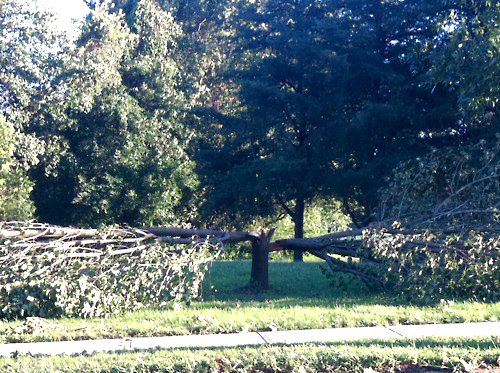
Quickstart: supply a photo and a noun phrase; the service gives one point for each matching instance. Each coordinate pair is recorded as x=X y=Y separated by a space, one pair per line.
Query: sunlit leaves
x=125 y=158
x=51 y=279
x=14 y=184
x=450 y=187
x=467 y=59
x=421 y=268
x=104 y=43
x=28 y=48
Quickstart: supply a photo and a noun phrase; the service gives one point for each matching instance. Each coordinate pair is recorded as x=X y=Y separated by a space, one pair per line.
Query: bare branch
x=338 y=265
x=183 y=233
x=460 y=190
x=285 y=207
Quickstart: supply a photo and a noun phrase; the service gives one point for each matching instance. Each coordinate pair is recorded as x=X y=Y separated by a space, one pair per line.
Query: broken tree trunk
x=259 y=278
x=353 y=244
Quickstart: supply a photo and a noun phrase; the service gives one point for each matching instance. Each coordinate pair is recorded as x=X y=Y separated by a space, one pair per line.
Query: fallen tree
x=458 y=262
x=53 y=271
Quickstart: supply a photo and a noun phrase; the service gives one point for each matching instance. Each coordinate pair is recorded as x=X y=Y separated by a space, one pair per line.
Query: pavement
x=484 y=329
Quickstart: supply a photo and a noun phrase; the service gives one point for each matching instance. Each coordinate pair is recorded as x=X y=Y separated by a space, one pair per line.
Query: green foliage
x=30 y=62
x=420 y=270
x=454 y=186
x=60 y=280
x=270 y=158
x=122 y=142
x=321 y=217
x=328 y=105
x=444 y=210
x=307 y=99
x=29 y=46
x=30 y=96
x=15 y=187
x=468 y=59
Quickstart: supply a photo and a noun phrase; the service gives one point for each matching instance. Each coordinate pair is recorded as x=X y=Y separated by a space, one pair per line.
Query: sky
x=66 y=11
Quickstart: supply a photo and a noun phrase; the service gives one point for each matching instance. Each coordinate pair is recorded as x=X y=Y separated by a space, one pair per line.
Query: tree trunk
x=298 y=255
x=259 y=279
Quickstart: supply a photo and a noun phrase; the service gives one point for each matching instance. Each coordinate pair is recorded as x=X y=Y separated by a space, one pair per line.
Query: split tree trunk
x=259 y=279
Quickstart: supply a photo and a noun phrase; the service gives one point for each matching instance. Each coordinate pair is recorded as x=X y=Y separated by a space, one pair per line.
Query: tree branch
x=285 y=207
x=338 y=265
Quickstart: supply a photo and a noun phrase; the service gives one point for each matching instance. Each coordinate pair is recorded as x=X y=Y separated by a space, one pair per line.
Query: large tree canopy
x=123 y=159
x=329 y=104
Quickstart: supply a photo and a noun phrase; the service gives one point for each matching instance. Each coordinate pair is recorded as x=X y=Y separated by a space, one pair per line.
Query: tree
x=328 y=105
x=123 y=158
x=29 y=57
x=270 y=144
x=30 y=60
x=466 y=60
x=456 y=53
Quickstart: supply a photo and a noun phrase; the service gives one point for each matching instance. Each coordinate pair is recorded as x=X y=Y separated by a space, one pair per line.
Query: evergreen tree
x=329 y=105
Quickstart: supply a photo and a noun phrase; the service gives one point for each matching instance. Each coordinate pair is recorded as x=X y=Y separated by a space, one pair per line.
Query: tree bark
x=298 y=220
x=259 y=279
x=181 y=232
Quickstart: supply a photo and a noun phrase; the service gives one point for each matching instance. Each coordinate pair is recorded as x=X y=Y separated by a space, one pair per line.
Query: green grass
x=453 y=354
x=300 y=298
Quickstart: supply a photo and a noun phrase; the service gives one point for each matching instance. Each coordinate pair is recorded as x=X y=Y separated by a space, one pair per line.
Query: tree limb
x=287 y=209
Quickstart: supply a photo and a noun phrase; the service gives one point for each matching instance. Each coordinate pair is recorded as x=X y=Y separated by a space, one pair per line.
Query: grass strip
x=223 y=317
x=300 y=298
x=451 y=354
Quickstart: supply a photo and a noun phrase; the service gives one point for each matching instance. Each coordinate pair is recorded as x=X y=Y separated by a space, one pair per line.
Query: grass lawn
x=300 y=298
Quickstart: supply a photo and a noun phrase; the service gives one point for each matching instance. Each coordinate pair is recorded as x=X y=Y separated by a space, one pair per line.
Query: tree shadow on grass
x=305 y=281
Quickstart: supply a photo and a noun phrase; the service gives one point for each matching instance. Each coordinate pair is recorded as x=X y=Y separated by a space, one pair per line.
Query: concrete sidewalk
x=485 y=329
